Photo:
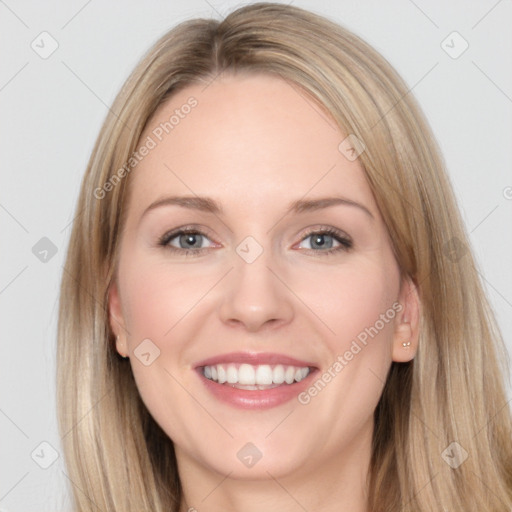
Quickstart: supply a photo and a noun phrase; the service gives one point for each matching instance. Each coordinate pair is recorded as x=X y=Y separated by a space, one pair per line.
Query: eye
x=185 y=241
x=323 y=240
x=189 y=241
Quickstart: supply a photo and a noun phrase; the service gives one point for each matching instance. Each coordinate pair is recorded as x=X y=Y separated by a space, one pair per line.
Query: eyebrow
x=209 y=205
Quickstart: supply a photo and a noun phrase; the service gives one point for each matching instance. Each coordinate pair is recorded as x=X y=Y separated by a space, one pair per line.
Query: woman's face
x=286 y=273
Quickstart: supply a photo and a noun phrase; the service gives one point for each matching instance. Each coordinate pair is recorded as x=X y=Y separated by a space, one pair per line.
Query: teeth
x=246 y=375
x=289 y=375
x=255 y=377
x=278 y=374
x=263 y=375
x=232 y=375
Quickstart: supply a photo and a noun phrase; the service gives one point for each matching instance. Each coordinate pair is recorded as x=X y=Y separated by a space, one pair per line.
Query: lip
x=254 y=358
x=255 y=399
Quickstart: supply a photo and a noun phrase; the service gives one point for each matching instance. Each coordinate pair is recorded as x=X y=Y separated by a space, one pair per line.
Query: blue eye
x=189 y=241
x=323 y=239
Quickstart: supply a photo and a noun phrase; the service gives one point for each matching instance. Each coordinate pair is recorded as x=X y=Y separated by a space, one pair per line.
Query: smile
x=247 y=376
x=248 y=380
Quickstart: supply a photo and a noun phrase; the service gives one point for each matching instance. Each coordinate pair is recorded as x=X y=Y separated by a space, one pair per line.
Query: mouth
x=255 y=381
x=260 y=377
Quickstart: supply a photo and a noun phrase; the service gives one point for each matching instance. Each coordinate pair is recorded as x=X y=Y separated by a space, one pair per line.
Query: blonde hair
x=453 y=391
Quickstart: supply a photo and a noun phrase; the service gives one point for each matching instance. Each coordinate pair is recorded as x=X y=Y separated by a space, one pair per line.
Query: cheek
x=156 y=298
x=354 y=302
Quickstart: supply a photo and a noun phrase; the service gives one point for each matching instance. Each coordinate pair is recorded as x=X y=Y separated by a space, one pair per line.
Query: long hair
x=442 y=436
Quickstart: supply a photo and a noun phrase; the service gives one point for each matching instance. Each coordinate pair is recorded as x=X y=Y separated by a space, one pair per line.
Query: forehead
x=253 y=139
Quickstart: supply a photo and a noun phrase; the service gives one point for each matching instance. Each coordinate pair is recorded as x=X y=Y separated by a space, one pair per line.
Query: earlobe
x=116 y=320
x=406 y=335
x=121 y=347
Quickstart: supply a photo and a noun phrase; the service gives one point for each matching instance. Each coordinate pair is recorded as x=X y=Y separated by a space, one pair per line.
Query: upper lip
x=255 y=358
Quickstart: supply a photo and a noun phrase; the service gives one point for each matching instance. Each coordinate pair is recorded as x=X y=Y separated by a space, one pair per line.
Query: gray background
x=51 y=112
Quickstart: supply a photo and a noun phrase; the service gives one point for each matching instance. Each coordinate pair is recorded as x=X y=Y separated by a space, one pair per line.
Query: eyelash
x=345 y=242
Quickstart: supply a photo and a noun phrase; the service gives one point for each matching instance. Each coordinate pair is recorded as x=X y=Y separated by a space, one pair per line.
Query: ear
x=406 y=335
x=116 y=319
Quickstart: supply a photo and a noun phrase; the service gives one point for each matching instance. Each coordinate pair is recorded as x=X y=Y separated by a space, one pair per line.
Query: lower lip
x=255 y=399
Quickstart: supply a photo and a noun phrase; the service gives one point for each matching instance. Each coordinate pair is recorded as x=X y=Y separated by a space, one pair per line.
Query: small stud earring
x=406 y=344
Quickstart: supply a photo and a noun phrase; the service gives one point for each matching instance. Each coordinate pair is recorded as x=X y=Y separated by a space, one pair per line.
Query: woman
x=269 y=300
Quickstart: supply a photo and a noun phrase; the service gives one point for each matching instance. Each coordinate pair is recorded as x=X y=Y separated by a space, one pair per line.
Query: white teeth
x=264 y=375
x=258 y=376
x=246 y=375
x=278 y=374
x=232 y=374
x=221 y=374
x=289 y=375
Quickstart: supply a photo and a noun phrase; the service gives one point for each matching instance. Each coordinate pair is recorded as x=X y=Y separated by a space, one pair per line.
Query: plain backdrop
x=52 y=107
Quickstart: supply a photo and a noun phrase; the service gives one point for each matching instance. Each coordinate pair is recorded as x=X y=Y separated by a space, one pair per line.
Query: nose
x=255 y=297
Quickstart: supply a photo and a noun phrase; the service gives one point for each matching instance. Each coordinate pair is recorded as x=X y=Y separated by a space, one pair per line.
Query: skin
x=254 y=143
